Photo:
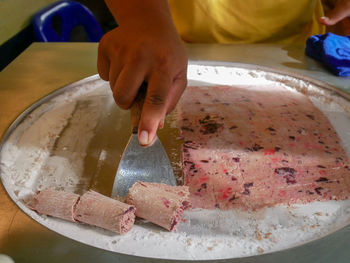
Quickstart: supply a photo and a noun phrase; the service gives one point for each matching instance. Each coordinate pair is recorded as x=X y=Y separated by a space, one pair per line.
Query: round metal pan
x=106 y=150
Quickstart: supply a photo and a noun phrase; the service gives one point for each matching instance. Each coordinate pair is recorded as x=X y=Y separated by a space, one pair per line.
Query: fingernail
x=143 y=138
x=324 y=18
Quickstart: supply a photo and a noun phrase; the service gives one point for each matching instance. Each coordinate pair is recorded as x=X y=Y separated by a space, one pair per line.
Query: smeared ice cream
x=249 y=147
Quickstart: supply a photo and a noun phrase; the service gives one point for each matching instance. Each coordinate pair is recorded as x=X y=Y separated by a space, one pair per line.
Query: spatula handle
x=136 y=108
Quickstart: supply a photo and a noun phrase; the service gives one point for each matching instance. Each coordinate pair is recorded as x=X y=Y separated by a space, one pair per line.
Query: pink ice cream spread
x=249 y=148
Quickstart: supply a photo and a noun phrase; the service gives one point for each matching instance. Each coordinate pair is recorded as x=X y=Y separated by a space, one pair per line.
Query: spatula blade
x=150 y=164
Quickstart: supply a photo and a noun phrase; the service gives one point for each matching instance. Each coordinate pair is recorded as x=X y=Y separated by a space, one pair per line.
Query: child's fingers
x=102 y=61
x=114 y=71
x=154 y=108
x=128 y=83
x=338 y=13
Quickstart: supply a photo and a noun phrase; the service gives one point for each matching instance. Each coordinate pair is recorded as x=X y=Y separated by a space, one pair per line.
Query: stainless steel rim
x=21 y=117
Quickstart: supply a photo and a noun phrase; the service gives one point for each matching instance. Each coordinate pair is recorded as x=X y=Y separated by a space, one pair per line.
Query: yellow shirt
x=247 y=21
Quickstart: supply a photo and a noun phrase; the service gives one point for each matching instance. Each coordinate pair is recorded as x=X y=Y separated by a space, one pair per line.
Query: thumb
x=338 y=13
x=154 y=108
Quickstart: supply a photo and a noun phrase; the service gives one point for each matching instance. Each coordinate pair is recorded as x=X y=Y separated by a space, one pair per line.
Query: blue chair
x=71 y=14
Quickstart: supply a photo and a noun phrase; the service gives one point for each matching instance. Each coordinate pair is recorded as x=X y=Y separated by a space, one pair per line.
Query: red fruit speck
x=203 y=179
x=226 y=193
x=166 y=202
x=223 y=168
x=275 y=159
x=283 y=193
x=269 y=152
x=323 y=172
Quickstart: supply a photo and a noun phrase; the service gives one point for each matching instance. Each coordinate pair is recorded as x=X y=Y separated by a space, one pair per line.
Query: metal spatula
x=150 y=164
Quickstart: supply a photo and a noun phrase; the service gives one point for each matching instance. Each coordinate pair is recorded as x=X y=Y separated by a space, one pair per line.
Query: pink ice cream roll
x=160 y=204
x=99 y=210
x=54 y=203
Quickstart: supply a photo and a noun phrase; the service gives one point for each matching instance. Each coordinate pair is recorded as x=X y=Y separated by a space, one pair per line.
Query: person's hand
x=145 y=49
x=340 y=11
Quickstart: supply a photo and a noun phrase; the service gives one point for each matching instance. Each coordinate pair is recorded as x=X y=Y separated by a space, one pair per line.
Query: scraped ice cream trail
x=250 y=148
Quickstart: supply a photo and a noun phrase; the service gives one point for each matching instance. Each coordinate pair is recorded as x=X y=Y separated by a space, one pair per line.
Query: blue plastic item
x=71 y=14
x=332 y=50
